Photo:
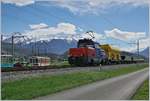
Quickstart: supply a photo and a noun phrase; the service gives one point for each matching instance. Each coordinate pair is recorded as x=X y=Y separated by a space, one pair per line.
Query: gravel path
x=15 y=75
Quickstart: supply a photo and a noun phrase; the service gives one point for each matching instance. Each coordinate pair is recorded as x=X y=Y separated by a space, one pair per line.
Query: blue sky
x=124 y=18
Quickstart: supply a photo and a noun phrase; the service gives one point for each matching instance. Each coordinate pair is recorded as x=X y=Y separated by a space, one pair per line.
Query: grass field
x=143 y=92
x=30 y=88
x=60 y=64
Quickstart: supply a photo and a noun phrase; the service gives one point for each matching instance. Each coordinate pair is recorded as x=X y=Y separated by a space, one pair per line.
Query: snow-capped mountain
x=145 y=52
x=57 y=46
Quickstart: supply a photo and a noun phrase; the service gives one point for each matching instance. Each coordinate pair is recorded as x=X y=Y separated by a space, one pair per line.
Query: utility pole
x=45 y=51
x=12 y=39
x=1 y=43
x=35 y=47
x=38 y=51
x=1 y=38
x=32 y=50
x=45 y=47
x=138 y=45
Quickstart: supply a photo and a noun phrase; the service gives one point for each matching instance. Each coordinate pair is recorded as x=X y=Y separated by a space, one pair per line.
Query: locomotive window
x=97 y=46
x=85 y=45
x=82 y=45
x=89 y=46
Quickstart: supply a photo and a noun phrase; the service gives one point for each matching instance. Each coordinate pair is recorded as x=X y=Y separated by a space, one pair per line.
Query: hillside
x=55 y=46
x=145 y=52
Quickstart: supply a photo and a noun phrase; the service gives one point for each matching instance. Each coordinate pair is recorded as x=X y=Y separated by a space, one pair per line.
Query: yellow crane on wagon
x=113 y=54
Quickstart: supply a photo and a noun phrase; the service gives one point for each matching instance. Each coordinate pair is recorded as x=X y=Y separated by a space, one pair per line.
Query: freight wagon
x=113 y=54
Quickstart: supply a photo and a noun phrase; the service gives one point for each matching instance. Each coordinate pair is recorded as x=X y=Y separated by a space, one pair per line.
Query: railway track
x=23 y=68
x=16 y=75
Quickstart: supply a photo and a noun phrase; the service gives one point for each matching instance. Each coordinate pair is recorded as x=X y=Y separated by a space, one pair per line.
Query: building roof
x=39 y=57
x=6 y=55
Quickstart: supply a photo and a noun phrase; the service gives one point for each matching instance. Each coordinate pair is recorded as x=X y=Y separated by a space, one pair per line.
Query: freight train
x=89 y=52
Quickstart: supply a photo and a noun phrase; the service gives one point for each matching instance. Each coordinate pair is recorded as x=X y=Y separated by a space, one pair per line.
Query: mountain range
x=56 y=46
x=53 y=48
x=145 y=52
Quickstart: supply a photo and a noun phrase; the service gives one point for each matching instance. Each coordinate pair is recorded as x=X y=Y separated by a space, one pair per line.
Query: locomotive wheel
x=78 y=61
x=70 y=60
x=91 y=62
x=102 y=62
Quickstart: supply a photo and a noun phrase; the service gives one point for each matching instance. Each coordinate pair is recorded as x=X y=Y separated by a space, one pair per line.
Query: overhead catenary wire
x=47 y=13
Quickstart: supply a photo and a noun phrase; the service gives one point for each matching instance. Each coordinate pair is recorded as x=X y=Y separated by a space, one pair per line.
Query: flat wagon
x=113 y=54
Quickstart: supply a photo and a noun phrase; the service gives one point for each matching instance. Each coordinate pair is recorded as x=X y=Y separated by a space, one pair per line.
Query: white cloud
x=70 y=31
x=38 y=26
x=95 y=6
x=124 y=35
x=61 y=31
x=82 y=6
x=144 y=43
x=67 y=28
x=125 y=48
x=19 y=2
x=43 y=32
x=117 y=2
x=128 y=37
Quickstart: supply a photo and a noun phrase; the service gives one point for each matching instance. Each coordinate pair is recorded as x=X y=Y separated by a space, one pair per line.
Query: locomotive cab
x=85 y=43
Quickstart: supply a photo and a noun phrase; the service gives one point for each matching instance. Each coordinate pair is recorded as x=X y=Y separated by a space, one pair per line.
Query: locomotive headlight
x=69 y=55
x=82 y=55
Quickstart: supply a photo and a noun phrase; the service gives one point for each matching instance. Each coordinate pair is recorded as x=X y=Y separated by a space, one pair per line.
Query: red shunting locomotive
x=87 y=52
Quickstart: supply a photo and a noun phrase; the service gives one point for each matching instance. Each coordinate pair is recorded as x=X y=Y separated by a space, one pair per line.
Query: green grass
x=143 y=92
x=60 y=64
x=30 y=88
